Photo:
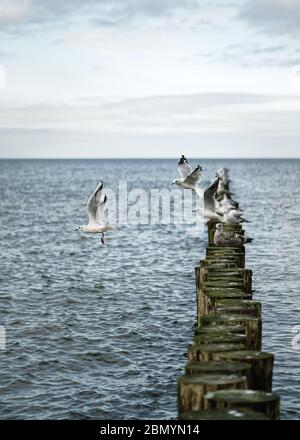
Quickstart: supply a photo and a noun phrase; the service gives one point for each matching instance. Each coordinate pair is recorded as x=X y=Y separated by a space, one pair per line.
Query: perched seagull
x=234 y=217
x=94 y=209
x=189 y=179
x=226 y=238
x=222 y=188
x=224 y=175
x=226 y=204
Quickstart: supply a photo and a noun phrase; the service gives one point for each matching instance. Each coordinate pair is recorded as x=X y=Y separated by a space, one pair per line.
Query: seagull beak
x=76 y=229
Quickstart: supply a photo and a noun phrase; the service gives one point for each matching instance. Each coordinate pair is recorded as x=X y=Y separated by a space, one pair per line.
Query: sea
x=92 y=331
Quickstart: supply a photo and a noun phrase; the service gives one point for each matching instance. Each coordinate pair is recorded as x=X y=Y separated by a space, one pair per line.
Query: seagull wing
x=195 y=176
x=100 y=208
x=184 y=167
x=209 y=195
x=93 y=205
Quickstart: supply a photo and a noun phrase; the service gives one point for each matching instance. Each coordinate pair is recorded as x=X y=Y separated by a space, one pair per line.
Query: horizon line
x=151 y=158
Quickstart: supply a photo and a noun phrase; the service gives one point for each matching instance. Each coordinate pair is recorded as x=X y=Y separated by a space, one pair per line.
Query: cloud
x=13 y=11
x=199 y=113
x=257 y=54
x=102 y=13
x=273 y=16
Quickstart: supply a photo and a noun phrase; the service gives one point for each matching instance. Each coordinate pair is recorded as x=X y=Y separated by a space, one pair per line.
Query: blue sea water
x=101 y=332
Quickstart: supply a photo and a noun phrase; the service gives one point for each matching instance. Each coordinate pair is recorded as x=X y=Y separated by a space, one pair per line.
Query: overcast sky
x=149 y=78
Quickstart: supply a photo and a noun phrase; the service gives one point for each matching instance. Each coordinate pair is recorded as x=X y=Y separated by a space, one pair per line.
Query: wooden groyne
x=227 y=375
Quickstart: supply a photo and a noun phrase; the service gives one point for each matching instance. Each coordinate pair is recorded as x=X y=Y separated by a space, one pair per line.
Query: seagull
x=189 y=179
x=224 y=175
x=226 y=238
x=222 y=188
x=210 y=201
x=94 y=209
x=209 y=211
x=226 y=204
x=234 y=217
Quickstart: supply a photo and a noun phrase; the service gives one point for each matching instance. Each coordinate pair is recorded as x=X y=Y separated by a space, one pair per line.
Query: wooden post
x=231 y=338
x=237 y=253
x=223 y=288
x=222 y=367
x=219 y=329
x=224 y=414
x=251 y=323
x=219 y=263
x=210 y=298
x=237 y=306
x=260 y=377
x=209 y=352
x=192 y=389
x=266 y=403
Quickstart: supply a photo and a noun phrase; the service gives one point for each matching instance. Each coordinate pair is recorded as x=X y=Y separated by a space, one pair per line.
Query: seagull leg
x=102 y=238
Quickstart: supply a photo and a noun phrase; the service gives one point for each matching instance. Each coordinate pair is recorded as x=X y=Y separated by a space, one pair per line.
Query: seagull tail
x=249 y=240
x=243 y=220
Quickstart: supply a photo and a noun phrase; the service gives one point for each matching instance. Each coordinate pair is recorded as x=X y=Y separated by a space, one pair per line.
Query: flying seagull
x=94 y=209
x=189 y=179
x=210 y=205
x=210 y=201
x=226 y=238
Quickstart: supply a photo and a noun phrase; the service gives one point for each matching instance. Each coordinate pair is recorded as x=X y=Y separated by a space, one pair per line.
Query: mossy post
x=193 y=388
x=261 y=373
x=252 y=324
x=266 y=403
x=210 y=352
x=225 y=414
x=220 y=367
x=227 y=377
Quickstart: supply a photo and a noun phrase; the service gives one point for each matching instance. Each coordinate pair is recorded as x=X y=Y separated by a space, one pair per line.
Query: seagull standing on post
x=234 y=217
x=229 y=238
x=94 y=209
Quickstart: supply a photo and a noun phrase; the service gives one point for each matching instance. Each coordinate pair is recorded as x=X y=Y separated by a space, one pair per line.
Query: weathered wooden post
x=252 y=324
x=227 y=376
x=237 y=306
x=211 y=297
x=260 y=377
x=209 y=352
x=224 y=414
x=266 y=403
x=221 y=367
x=219 y=329
x=193 y=388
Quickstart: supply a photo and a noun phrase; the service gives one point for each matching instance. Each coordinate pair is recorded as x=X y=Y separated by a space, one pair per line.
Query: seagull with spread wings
x=94 y=210
x=209 y=211
x=189 y=179
x=210 y=205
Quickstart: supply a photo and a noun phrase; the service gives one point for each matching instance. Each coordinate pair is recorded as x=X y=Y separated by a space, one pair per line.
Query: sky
x=149 y=78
